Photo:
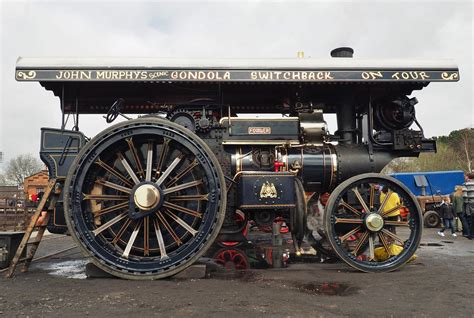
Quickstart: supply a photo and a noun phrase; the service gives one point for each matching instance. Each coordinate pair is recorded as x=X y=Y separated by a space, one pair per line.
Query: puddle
x=327 y=288
x=432 y=244
x=75 y=269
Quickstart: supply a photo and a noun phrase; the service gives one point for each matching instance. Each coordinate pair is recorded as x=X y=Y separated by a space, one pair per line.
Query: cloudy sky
x=375 y=29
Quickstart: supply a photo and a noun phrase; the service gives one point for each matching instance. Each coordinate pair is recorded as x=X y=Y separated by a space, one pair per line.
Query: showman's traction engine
x=199 y=140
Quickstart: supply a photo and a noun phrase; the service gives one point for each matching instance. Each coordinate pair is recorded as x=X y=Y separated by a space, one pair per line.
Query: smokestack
x=342 y=52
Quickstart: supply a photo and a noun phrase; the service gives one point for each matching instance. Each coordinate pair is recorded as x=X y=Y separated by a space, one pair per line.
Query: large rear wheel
x=145 y=199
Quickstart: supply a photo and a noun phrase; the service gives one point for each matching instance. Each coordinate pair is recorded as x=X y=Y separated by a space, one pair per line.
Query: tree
x=20 y=167
x=462 y=144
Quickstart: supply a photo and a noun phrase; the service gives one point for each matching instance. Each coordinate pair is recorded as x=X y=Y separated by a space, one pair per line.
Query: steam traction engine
x=146 y=197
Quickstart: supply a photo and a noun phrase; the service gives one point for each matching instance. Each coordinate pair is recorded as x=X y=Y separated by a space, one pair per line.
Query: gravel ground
x=438 y=284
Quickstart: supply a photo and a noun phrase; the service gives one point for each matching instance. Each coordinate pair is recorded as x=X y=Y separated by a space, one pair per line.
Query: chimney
x=342 y=52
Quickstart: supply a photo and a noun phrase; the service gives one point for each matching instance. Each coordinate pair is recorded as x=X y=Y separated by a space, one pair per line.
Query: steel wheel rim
x=337 y=207
x=195 y=220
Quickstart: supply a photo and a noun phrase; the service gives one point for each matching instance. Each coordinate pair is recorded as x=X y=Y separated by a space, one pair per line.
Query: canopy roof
x=233 y=70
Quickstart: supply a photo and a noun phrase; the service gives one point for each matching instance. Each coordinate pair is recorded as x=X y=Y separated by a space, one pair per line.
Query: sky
x=416 y=29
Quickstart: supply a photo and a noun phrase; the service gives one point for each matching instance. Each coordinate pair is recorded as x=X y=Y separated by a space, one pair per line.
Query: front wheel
x=364 y=226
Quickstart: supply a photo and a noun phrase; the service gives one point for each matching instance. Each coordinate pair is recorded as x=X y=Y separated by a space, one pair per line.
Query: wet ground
x=439 y=283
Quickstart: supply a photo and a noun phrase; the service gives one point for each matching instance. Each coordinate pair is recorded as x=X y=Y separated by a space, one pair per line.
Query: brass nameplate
x=268 y=190
x=260 y=130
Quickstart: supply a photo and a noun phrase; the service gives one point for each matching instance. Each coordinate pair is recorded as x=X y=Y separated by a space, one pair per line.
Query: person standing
x=448 y=215
x=390 y=208
x=458 y=203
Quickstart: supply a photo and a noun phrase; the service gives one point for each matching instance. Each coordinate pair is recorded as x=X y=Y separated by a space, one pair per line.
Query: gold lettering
x=277 y=74
x=287 y=75
x=143 y=75
x=226 y=75
x=423 y=75
x=371 y=75
x=296 y=75
x=328 y=76
x=396 y=75
x=253 y=75
x=312 y=76
x=174 y=75
x=86 y=75
x=60 y=75
x=405 y=75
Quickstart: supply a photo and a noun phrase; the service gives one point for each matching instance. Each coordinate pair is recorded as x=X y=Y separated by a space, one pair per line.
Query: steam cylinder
x=321 y=168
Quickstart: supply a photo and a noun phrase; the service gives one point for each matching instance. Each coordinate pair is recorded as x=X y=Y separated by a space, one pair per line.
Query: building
x=35 y=184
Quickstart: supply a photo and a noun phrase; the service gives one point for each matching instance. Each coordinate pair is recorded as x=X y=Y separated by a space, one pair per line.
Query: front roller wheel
x=366 y=232
x=145 y=199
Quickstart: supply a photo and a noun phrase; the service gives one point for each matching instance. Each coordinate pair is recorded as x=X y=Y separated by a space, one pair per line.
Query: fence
x=15 y=218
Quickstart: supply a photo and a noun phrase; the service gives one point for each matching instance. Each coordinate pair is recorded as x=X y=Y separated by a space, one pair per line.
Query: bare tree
x=466 y=144
x=21 y=167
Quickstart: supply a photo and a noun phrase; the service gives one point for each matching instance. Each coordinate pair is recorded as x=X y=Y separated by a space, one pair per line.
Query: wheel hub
x=374 y=222
x=146 y=197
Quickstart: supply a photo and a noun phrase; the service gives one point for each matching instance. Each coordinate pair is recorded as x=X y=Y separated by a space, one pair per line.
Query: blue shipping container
x=442 y=181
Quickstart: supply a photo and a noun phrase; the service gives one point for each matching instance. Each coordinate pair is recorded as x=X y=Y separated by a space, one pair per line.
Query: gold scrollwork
x=449 y=77
x=27 y=76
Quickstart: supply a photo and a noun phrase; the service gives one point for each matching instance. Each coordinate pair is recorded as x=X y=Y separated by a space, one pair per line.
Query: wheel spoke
x=182 y=223
x=127 y=167
x=114 y=172
x=105 y=197
x=350 y=207
x=192 y=197
x=397 y=223
x=372 y=196
x=349 y=221
x=361 y=200
x=182 y=186
x=371 y=246
x=132 y=239
x=113 y=185
x=167 y=172
x=393 y=236
x=134 y=152
x=182 y=209
x=161 y=159
x=385 y=244
x=159 y=238
x=348 y=234
x=105 y=226
x=361 y=242
x=382 y=206
x=149 y=161
x=182 y=173
x=169 y=228
x=146 y=236
x=121 y=231
x=395 y=208
x=112 y=208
